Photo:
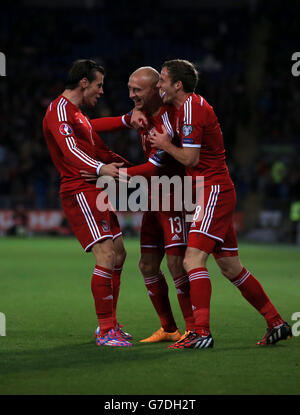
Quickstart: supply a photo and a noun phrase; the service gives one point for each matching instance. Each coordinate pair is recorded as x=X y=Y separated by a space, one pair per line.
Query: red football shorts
x=212 y=229
x=164 y=232
x=88 y=224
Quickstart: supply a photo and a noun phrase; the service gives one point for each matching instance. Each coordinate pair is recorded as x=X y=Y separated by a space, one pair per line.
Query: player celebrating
x=202 y=152
x=162 y=231
x=73 y=145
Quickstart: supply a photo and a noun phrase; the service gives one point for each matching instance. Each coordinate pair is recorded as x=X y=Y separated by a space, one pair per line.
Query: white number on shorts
x=178 y=226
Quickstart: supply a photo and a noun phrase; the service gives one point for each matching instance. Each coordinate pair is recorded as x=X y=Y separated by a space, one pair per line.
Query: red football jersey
x=168 y=165
x=164 y=164
x=74 y=145
x=198 y=127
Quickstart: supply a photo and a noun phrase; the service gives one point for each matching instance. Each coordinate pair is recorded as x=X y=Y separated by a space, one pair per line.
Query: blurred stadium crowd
x=243 y=53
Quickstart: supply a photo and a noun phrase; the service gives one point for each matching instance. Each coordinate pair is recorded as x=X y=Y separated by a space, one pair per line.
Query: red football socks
x=116 y=282
x=200 y=292
x=158 y=293
x=254 y=293
x=103 y=296
x=182 y=285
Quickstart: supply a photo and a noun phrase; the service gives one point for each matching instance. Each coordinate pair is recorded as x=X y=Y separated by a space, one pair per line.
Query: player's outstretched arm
x=133 y=119
x=107 y=124
x=147 y=170
x=111 y=170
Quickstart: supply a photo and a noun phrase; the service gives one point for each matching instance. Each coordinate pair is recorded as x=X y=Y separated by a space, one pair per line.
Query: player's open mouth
x=162 y=93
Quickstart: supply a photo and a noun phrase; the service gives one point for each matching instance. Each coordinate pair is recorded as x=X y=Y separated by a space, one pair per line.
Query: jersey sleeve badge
x=65 y=129
x=187 y=130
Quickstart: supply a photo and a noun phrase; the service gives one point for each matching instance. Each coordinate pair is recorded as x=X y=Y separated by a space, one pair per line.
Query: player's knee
x=120 y=256
x=186 y=263
x=227 y=272
x=146 y=267
x=107 y=256
x=231 y=270
x=194 y=258
x=230 y=267
x=104 y=253
x=175 y=265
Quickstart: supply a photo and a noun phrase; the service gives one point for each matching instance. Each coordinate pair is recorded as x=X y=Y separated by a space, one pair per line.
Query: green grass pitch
x=49 y=346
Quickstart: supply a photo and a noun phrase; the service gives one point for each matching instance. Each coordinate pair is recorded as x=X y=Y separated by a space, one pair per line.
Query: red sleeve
x=111 y=123
x=119 y=159
x=63 y=134
x=193 y=126
x=146 y=170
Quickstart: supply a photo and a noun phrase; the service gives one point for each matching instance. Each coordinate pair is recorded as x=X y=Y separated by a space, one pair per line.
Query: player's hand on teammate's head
x=138 y=119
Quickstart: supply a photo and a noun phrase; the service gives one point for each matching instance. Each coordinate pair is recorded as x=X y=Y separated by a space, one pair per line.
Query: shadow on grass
x=74 y=355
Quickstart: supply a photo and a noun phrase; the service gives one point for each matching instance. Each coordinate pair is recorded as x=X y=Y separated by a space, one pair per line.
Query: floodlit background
x=243 y=50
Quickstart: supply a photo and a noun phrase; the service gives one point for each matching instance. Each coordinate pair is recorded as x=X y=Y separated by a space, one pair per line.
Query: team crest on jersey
x=65 y=129
x=105 y=225
x=186 y=130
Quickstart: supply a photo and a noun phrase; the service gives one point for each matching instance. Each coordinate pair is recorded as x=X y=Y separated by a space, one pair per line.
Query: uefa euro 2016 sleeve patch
x=187 y=130
x=65 y=129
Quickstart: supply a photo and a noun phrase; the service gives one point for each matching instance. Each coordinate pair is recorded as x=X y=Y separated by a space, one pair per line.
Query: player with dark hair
x=162 y=232
x=74 y=145
x=212 y=230
x=82 y=68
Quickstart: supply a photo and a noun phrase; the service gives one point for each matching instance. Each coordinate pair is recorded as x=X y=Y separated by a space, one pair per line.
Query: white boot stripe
x=203 y=345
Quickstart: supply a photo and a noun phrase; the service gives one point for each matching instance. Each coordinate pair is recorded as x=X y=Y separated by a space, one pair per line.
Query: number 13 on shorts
x=176 y=224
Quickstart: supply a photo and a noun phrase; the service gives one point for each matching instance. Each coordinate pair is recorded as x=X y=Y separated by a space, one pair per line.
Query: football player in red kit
x=212 y=230
x=74 y=146
x=162 y=232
